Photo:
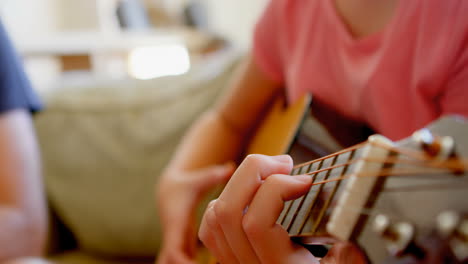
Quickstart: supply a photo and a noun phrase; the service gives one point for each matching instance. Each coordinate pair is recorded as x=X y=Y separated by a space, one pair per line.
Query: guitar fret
x=287 y=205
x=339 y=172
x=301 y=214
x=312 y=200
x=297 y=203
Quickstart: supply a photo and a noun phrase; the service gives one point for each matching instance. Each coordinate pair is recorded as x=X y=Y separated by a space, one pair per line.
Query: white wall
x=26 y=21
x=234 y=19
x=26 y=18
x=29 y=20
x=78 y=15
x=87 y=15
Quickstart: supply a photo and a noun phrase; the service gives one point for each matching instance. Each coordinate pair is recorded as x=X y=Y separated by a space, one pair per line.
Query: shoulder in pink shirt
x=396 y=81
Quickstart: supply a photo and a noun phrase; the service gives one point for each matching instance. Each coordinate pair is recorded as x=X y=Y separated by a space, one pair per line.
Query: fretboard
x=327 y=207
x=309 y=214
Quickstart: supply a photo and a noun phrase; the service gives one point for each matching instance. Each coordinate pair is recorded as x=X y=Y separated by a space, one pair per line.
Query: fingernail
x=283 y=158
x=303 y=178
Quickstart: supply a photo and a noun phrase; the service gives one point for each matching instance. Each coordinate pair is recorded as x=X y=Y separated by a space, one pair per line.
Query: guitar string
x=459 y=164
x=455 y=164
x=311 y=191
x=461 y=182
x=452 y=164
x=358 y=146
x=384 y=173
x=422 y=160
x=428 y=187
x=315 y=202
x=327 y=202
x=419 y=187
x=291 y=204
x=375 y=211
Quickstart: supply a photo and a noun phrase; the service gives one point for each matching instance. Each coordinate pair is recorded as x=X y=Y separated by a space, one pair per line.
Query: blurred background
x=77 y=40
x=121 y=81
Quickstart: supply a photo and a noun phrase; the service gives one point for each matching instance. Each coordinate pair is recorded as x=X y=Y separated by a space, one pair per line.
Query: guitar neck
x=308 y=215
x=313 y=213
x=379 y=192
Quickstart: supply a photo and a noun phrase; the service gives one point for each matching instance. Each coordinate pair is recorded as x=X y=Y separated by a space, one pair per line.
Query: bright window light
x=156 y=61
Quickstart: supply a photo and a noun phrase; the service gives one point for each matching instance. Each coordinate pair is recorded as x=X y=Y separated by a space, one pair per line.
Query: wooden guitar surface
x=279 y=127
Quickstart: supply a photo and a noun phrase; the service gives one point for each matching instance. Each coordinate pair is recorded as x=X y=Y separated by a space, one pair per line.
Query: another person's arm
x=23 y=216
x=23 y=219
x=202 y=159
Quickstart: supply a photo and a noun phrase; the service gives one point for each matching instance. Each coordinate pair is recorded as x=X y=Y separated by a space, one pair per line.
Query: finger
x=237 y=195
x=206 y=232
x=269 y=240
x=212 y=236
x=248 y=178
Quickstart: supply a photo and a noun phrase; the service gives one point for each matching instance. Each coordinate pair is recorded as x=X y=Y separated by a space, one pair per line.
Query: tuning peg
x=397 y=236
x=435 y=146
x=454 y=227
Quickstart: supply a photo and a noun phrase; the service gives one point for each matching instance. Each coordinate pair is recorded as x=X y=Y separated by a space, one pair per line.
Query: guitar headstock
x=421 y=210
x=403 y=200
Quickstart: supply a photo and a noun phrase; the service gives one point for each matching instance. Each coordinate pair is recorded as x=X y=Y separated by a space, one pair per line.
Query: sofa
x=103 y=146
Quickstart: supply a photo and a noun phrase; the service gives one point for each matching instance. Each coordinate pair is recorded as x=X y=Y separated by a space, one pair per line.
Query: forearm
x=221 y=134
x=188 y=178
x=210 y=141
x=23 y=214
x=19 y=235
x=202 y=159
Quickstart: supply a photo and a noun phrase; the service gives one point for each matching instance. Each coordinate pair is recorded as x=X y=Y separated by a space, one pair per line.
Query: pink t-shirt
x=396 y=81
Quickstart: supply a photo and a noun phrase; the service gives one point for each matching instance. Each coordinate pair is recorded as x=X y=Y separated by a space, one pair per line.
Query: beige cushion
x=103 y=148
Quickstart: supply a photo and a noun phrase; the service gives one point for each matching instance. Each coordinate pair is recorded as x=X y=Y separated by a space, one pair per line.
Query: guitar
x=400 y=202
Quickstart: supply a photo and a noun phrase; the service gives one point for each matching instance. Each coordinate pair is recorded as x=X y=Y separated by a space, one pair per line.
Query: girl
x=392 y=65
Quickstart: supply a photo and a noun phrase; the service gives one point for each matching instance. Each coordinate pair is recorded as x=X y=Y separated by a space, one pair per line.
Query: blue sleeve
x=15 y=89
